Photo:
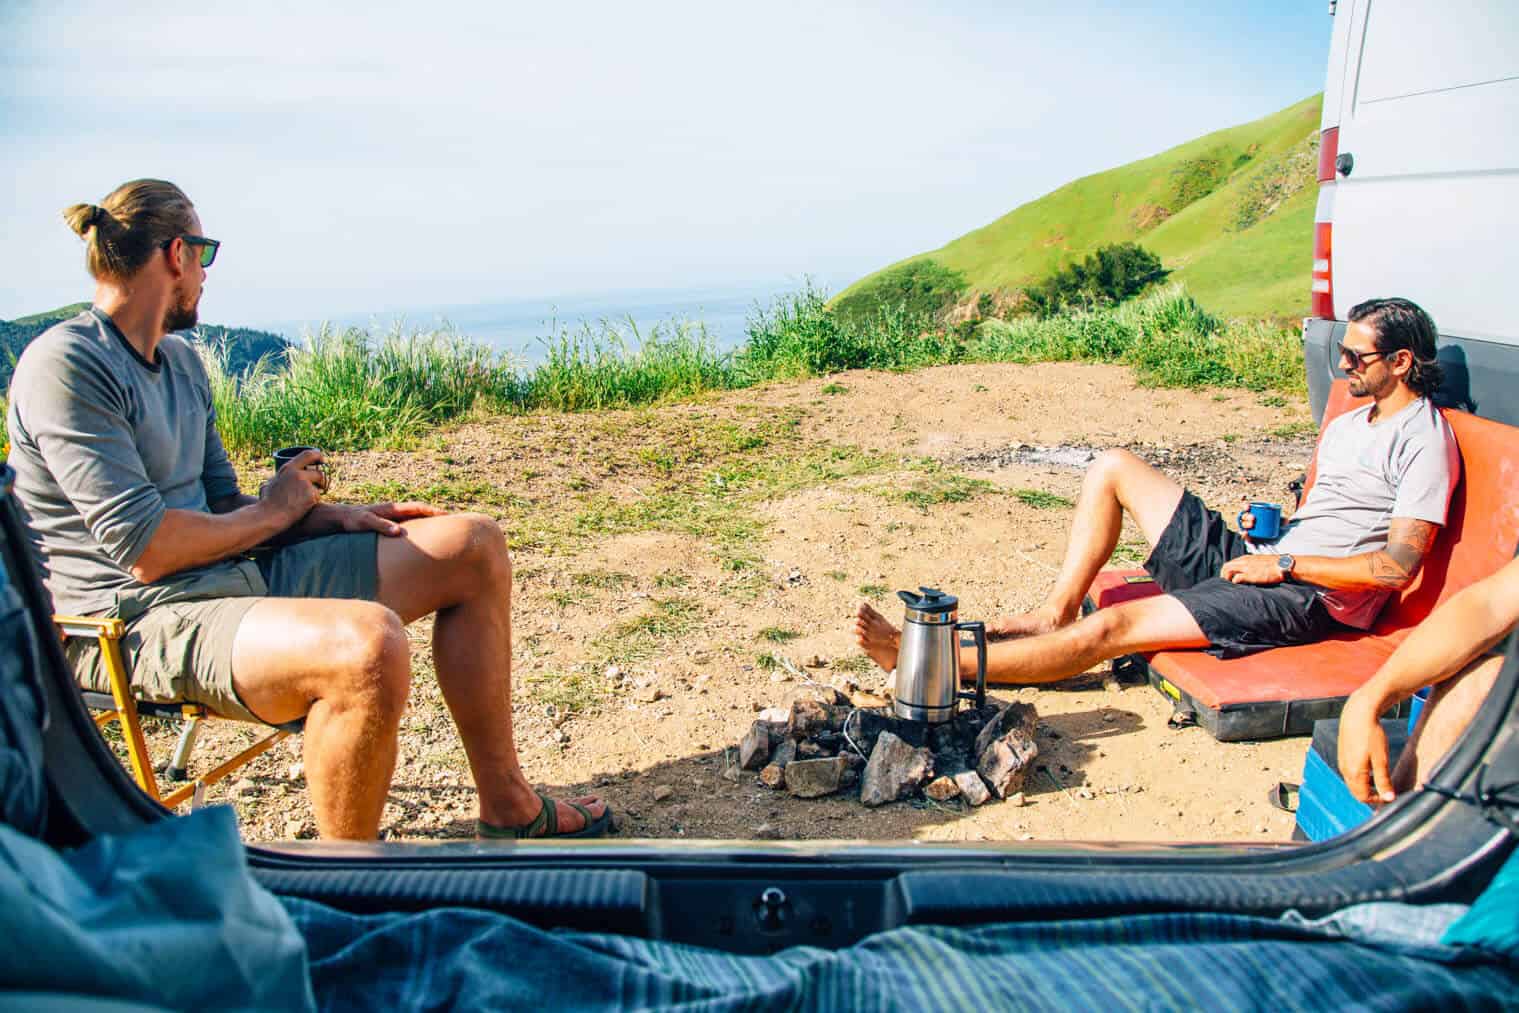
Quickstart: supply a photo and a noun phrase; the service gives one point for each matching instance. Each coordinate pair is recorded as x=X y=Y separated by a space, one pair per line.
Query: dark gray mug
x=285 y=455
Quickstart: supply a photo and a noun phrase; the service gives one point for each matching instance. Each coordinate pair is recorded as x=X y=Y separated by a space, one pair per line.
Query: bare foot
x=876 y=637
x=1026 y=624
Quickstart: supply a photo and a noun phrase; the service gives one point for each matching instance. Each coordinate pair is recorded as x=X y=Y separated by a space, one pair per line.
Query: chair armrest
x=90 y=626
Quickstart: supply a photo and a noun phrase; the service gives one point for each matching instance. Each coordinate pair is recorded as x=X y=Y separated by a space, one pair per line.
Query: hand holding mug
x=299 y=483
x=1261 y=522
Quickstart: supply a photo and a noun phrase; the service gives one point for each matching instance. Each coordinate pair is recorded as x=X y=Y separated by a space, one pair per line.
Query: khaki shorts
x=180 y=649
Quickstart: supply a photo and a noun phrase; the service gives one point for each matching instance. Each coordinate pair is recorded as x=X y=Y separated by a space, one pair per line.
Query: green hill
x=244 y=345
x=1230 y=215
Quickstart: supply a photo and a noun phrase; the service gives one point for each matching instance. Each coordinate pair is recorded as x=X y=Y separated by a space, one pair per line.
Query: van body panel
x=1339 y=42
x=1451 y=244
x=1425 y=96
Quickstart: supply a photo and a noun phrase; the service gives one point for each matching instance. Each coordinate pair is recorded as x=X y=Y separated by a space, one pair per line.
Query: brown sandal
x=546 y=824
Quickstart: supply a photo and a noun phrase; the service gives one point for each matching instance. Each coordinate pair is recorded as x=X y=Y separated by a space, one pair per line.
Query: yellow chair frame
x=108 y=633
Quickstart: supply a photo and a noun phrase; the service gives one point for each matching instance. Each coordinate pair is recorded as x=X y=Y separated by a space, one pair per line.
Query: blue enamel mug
x=1268 y=521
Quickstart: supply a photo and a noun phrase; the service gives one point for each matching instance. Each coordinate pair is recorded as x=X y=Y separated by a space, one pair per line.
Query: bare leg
x=345 y=666
x=1149 y=624
x=459 y=567
x=1114 y=482
x=1445 y=718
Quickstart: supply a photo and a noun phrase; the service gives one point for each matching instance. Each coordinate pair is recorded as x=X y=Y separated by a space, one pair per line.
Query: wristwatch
x=1285 y=563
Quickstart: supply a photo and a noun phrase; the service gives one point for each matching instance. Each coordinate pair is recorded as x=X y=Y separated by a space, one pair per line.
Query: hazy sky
x=376 y=156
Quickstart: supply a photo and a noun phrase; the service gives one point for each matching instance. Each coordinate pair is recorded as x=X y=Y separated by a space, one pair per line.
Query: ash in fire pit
x=823 y=746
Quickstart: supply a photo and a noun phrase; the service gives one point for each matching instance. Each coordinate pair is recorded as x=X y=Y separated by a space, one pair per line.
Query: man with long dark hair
x=1385 y=473
x=136 y=513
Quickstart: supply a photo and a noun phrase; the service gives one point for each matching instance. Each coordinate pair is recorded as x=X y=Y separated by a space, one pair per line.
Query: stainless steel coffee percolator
x=928 y=661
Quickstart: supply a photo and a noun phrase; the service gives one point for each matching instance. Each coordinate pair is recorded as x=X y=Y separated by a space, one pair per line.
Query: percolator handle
x=978 y=631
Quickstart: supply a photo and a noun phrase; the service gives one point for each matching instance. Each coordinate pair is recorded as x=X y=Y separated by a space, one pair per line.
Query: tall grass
x=347 y=390
x=344 y=391
x=590 y=368
x=1166 y=337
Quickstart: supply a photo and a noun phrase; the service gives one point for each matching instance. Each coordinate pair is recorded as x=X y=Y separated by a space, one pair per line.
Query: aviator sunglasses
x=1359 y=358
x=208 y=247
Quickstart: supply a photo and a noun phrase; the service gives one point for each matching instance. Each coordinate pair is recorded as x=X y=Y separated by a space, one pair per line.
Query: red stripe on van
x=1329 y=150
x=1321 y=302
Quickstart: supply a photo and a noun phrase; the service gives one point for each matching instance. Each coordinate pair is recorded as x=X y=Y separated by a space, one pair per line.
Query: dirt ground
x=644 y=644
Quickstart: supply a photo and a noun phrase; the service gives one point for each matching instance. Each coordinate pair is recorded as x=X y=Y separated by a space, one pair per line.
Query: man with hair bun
x=135 y=512
x=1385 y=473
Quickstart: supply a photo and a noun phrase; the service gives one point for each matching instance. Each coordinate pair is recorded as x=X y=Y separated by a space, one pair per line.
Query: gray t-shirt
x=1405 y=466
x=103 y=442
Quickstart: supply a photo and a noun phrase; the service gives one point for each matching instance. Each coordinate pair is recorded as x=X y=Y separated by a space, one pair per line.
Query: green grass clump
x=1166 y=337
x=593 y=368
x=777 y=635
x=344 y=391
x=1039 y=499
x=641 y=637
x=606 y=580
x=581 y=689
x=798 y=336
x=1302 y=427
x=943 y=488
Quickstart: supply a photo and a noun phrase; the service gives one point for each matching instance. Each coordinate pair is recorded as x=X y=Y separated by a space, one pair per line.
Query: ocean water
x=520 y=327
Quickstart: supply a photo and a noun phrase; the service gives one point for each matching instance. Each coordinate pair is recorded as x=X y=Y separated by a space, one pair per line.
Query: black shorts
x=1237 y=619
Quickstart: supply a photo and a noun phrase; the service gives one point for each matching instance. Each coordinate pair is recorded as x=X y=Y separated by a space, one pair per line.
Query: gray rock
x=972 y=787
x=1005 y=762
x=1021 y=716
x=754 y=751
x=814 y=778
x=774 y=773
x=895 y=769
x=809 y=717
x=828 y=696
x=942 y=789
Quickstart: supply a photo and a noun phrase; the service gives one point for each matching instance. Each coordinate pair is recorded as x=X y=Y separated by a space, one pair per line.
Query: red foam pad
x=1113 y=587
x=1324 y=670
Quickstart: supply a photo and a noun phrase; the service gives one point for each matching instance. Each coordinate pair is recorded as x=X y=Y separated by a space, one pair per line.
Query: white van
x=1419 y=187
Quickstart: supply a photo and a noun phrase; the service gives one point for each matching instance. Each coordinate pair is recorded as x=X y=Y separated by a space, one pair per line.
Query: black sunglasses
x=1359 y=358
x=208 y=247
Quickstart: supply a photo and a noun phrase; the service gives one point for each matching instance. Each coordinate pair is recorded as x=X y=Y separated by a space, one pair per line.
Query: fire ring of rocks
x=827 y=745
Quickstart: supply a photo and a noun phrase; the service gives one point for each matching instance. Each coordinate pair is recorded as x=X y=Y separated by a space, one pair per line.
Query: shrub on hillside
x=1107 y=276
x=922 y=288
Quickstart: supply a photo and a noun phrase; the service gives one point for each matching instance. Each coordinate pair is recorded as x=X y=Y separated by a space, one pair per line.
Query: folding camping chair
x=119 y=705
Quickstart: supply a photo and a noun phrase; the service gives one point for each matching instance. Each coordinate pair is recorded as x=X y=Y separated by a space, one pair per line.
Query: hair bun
x=97 y=213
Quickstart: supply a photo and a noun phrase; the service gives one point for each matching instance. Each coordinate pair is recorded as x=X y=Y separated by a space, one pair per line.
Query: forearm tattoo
x=1407 y=543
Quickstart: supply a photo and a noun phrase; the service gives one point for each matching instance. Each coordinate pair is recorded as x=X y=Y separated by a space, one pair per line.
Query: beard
x=182 y=316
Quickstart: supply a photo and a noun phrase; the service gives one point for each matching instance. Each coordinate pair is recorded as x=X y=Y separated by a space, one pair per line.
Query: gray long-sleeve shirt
x=103 y=442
